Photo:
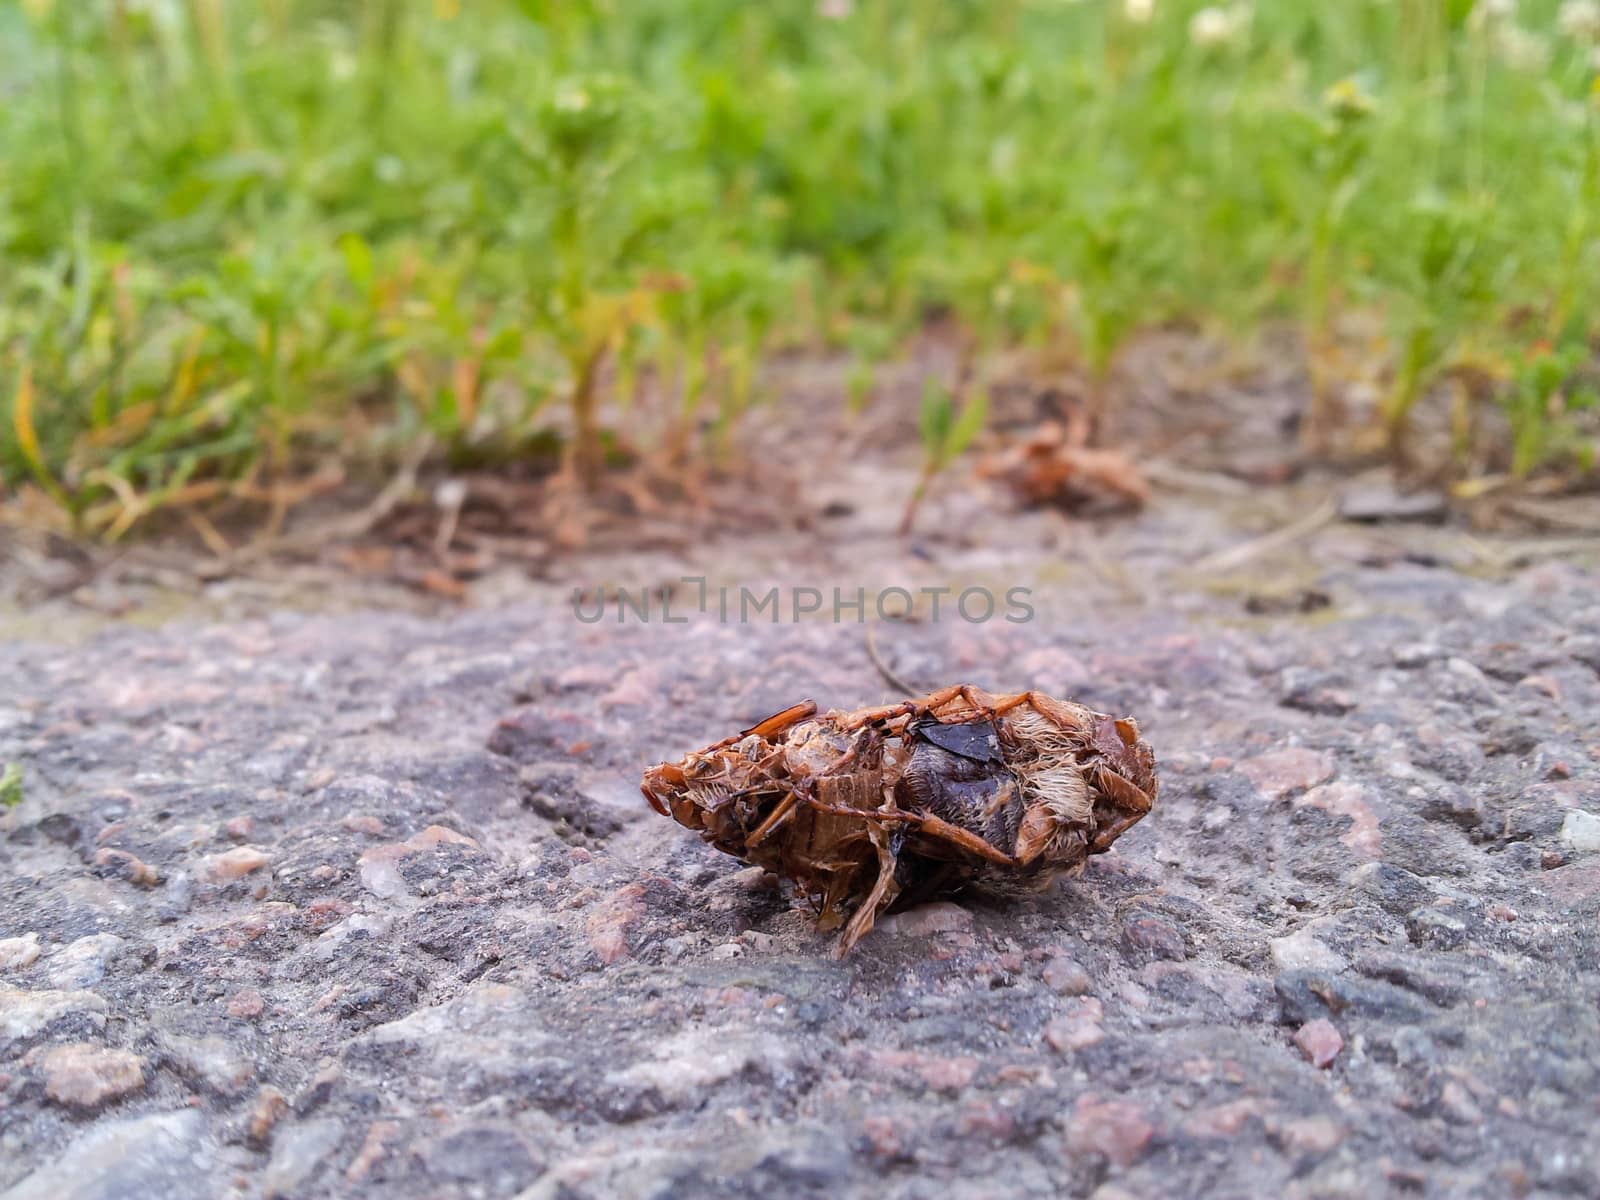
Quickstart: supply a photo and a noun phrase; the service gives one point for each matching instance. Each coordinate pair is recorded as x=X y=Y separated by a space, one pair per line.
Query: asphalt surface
x=369 y=904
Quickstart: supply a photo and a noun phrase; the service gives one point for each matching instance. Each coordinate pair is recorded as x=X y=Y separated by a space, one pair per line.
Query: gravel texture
x=370 y=905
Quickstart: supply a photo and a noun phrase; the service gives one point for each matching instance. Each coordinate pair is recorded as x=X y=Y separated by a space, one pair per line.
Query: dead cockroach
x=909 y=800
x=1053 y=466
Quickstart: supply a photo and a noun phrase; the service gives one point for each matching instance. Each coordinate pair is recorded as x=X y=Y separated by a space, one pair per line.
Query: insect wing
x=974 y=740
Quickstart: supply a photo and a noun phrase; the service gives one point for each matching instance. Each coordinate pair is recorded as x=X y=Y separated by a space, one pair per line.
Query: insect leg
x=906 y=708
x=850 y=722
x=979 y=700
x=1103 y=839
x=1128 y=794
x=1065 y=716
x=847 y=759
x=865 y=814
x=832 y=898
x=966 y=839
x=940 y=698
x=778 y=816
x=883 y=892
x=1005 y=704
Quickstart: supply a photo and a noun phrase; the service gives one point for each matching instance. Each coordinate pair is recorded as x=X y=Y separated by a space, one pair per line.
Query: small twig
x=1526 y=550
x=893 y=680
x=1237 y=556
x=1173 y=477
x=342 y=528
x=208 y=532
x=1582 y=517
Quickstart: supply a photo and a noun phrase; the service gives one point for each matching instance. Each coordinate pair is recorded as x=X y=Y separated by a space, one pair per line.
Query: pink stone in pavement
x=1348 y=800
x=1319 y=1041
x=1314 y=1135
x=947 y=1074
x=939 y=917
x=82 y=1075
x=633 y=689
x=437 y=835
x=1222 y=1120
x=1280 y=772
x=608 y=926
x=986 y=1119
x=1573 y=883
x=1067 y=976
x=883 y=1136
x=233 y=864
x=1078 y=1028
x=936 y=1072
x=1114 y=1128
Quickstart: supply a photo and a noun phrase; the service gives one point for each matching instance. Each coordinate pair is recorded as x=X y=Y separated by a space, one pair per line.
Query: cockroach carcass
x=911 y=800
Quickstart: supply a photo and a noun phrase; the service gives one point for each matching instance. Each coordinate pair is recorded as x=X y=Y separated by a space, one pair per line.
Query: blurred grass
x=237 y=233
x=11 y=789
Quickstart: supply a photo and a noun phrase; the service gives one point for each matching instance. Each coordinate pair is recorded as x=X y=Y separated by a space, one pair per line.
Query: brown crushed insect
x=911 y=800
x=1053 y=466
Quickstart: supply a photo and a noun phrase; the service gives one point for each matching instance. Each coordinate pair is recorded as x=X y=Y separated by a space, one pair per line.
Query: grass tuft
x=232 y=234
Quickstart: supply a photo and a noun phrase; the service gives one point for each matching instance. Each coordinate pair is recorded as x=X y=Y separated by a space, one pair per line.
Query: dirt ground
x=325 y=886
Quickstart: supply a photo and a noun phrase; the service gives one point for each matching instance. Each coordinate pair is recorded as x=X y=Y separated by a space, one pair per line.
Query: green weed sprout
x=11 y=786
x=1547 y=389
x=1341 y=155
x=946 y=434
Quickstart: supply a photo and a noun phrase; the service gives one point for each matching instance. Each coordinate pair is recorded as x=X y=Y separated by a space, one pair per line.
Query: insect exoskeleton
x=906 y=801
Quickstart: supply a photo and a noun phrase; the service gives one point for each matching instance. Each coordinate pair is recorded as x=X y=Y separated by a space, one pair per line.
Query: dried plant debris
x=1053 y=466
x=911 y=800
